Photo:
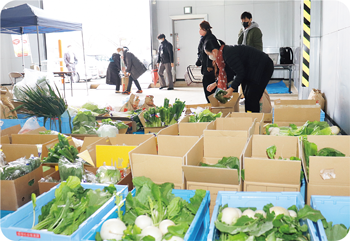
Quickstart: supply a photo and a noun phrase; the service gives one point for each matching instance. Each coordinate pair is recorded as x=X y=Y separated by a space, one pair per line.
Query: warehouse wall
x=334 y=61
x=279 y=22
x=8 y=60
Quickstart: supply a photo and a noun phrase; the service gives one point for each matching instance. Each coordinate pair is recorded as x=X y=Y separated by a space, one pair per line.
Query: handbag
x=286 y=54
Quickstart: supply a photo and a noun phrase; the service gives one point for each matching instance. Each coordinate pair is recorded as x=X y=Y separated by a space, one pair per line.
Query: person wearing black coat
x=113 y=77
x=203 y=60
x=253 y=69
x=165 y=62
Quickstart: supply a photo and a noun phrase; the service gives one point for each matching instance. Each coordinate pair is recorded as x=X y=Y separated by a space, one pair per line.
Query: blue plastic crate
x=303 y=189
x=334 y=209
x=197 y=231
x=258 y=200
x=20 y=121
x=55 y=125
x=5 y=213
x=17 y=226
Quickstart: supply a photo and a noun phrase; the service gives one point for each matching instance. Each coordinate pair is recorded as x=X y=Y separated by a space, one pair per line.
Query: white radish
x=143 y=221
x=113 y=229
x=292 y=213
x=279 y=210
x=153 y=232
x=229 y=215
x=239 y=212
x=163 y=226
x=250 y=213
x=261 y=212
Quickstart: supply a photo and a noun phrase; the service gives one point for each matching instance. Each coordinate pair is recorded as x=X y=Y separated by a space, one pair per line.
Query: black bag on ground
x=286 y=54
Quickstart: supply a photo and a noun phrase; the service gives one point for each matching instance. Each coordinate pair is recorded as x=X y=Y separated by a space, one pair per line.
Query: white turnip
x=143 y=221
x=279 y=210
x=292 y=213
x=113 y=229
x=153 y=232
x=163 y=226
x=250 y=213
x=229 y=215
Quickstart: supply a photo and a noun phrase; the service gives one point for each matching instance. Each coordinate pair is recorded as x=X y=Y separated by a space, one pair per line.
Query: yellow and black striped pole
x=306 y=42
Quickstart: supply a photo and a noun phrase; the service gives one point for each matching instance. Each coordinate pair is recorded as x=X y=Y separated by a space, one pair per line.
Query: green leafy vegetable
x=329 y=152
x=205 y=116
x=108 y=174
x=34 y=206
x=19 y=168
x=62 y=148
x=219 y=95
x=335 y=232
x=84 y=123
x=271 y=152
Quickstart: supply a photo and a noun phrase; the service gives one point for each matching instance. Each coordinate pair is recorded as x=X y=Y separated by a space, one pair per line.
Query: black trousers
x=207 y=80
x=130 y=83
x=254 y=91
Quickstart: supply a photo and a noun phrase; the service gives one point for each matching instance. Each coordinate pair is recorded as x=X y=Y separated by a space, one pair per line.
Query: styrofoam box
x=198 y=230
x=17 y=225
x=335 y=209
x=258 y=200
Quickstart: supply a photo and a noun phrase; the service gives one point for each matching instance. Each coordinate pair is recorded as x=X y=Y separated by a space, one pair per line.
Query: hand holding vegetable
x=229 y=93
x=211 y=87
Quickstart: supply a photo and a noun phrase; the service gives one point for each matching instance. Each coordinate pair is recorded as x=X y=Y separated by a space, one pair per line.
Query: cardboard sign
x=113 y=154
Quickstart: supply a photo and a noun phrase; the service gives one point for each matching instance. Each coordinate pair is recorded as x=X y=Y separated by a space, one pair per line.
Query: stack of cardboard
x=338 y=168
x=210 y=148
x=161 y=159
x=271 y=175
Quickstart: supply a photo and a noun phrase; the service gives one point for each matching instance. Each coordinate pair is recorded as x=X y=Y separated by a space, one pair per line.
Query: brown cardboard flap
x=195 y=154
x=286 y=124
x=267 y=117
x=269 y=187
x=88 y=141
x=211 y=175
x=338 y=142
x=142 y=120
x=32 y=139
x=294 y=102
x=259 y=116
x=175 y=145
x=36 y=131
x=272 y=171
x=192 y=129
x=230 y=104
x=186 y=119
x=5 y=140
x=296 y=113
x=158 y=168
x=172 y=130
x=92 y=147
x=286 y=146
x=156 y=130
x=11 y=130
x=215 y=146
x=247 y=152
x=242 y=123
x=339 y=165
x=16 y=151
x=129 y=140
x=147 y=147
x=207 y=133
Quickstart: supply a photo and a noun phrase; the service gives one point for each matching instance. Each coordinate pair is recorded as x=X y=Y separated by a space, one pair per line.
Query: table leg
x=64 y=87
x=290 y=80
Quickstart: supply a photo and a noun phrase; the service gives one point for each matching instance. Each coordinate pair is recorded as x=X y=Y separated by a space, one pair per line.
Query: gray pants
x=166 y=67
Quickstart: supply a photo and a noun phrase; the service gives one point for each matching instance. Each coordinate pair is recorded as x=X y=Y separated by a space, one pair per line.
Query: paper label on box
x=86 y=157
x=327 y=174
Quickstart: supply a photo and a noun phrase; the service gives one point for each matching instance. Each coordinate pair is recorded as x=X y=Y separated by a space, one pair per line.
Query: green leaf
x=196 y=200
x=174 y=208
x=308 y=212
x=271 y=237
x=98 y=237
x=293 y=208
x=336 y=232
x=239 y=237
x=267 y=207
x=271 y=152
x=329 y=152
x=178 y=230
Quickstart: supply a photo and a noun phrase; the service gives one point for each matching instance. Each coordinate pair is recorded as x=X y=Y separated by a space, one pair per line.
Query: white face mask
x=211 y=57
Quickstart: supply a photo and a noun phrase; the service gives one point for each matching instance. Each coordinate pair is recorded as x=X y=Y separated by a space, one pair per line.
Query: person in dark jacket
x=203 y=60
x=253 y=69
x=134 y=69
x=113 y=77
x=250 y=34
x=165 y=62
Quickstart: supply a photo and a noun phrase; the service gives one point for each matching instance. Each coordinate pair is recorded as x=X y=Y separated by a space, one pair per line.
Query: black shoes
x=162 y=87
x=170 y=88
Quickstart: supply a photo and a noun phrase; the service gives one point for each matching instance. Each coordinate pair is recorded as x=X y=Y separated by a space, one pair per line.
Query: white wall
x=334 y=61
x=9 y=62
x=279 y=22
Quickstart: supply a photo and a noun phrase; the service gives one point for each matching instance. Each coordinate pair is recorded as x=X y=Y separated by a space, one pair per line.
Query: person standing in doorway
x=134 y=69
x=250 y=33
x=165 y=62
x=253 y=70
x=113 y=77
x=71 y=61
x=203 y=60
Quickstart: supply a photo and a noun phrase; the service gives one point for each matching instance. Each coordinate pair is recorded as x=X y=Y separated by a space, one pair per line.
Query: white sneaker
x=242 y=101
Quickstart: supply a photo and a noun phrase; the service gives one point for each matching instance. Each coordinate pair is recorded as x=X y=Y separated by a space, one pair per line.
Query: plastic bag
x=219 y=95
x=48 y=179
x=19 y=168
x=107 y=131
x=108 y=174
x=67 y=168
x=317 y=95
x=2 y=159
x=89 y=177
x=31 y=124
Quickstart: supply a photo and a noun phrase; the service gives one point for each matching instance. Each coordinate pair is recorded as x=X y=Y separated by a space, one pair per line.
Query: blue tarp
x=26 y=17
x=277 y=88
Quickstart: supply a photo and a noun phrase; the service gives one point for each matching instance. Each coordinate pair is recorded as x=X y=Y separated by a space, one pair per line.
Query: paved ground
x=105 y=94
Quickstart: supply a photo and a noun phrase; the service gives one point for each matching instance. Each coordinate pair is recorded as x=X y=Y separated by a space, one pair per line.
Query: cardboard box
x=185 y=128
x=34 y=139
x=46 y=186
x=340 y=166
x=16 y=193
x=259 y=122
x=267 y=175
x=165 y=163
x=11 y=130
x=5 y=140
x=233 y=124
x=210 y=149
x=296 y=112
x=231 y=106
x=204 y=106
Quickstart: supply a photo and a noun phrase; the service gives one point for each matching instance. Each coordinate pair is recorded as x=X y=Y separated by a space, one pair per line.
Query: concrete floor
x=105 y=94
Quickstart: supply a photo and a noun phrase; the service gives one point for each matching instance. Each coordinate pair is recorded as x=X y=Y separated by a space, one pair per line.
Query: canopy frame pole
x=82 y=40
x=37 y=36
x=22 y=48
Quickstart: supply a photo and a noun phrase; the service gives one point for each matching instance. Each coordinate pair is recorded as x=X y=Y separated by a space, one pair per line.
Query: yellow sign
x=111 y=154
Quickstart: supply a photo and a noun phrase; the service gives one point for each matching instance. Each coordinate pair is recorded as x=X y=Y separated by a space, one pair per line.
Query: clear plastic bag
x=107 y=131
x=108 y=174
x=219 y=95
x=67 y=168
x=89 y=177
x=2 y=159
x=31 y=124
x=19 y=168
